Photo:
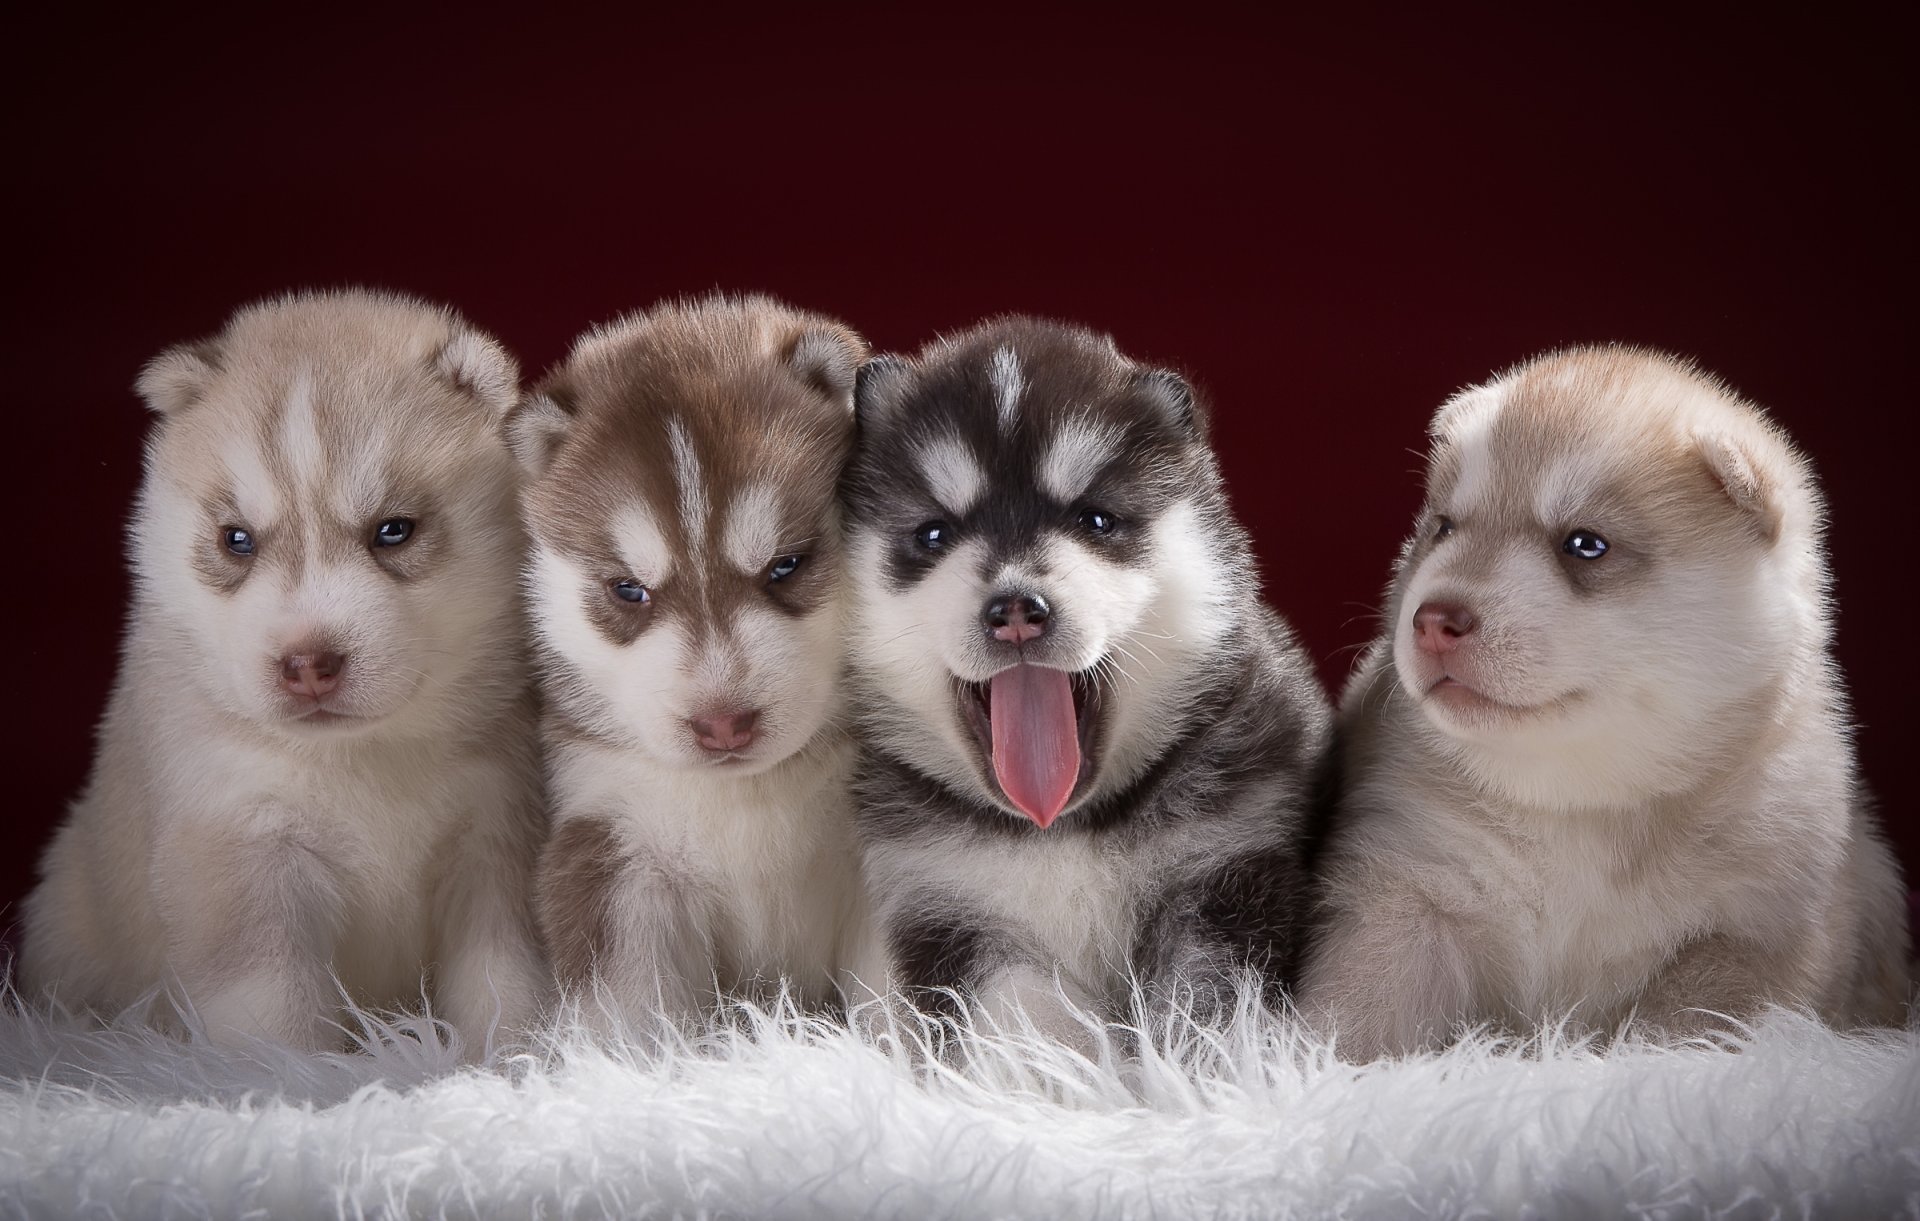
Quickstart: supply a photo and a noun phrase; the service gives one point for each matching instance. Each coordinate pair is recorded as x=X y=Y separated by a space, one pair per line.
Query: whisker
x=1149 y=649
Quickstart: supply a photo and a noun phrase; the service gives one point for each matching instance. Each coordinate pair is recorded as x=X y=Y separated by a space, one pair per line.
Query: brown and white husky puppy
x=1087 y=744
x=685 y=584
x=320 y=757
x=1599 y=762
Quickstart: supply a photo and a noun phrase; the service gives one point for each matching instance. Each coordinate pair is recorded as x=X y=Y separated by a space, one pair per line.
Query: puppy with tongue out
x=1085 y=743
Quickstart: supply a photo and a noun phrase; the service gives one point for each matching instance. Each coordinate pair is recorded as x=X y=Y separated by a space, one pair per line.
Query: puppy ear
x=878 y=386
x=536 y=426
x=826 y=358
x=178 y=377
x=477 y=366
x=1748 y=485
x=1452 y=416
x=1172 y=395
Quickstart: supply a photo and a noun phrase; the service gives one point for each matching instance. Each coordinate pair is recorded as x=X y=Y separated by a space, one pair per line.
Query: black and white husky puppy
x=1086 y=744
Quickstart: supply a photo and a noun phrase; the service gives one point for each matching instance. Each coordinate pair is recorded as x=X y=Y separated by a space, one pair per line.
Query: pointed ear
x=1745 y=482
x=1460 y=407
x=1172 y=395
x=826 y=359
x=536 y=426
x=179 y=377
x=477 y=366
x=878 y=386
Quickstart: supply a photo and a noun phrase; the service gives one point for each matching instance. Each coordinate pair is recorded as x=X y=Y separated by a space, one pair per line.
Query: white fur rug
x=777 y=1117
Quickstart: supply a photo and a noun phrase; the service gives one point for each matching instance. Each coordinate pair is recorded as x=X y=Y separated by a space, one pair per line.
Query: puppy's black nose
x=1016 y=618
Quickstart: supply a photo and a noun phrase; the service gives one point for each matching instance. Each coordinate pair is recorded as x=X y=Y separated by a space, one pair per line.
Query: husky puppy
x=685 y=581
x=1086 y=743
x=319 y=760
x=1598 y=763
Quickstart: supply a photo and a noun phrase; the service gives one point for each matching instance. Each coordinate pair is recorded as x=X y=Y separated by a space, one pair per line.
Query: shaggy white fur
x=780 y=1117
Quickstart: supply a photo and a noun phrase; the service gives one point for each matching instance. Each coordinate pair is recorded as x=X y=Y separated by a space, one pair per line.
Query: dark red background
x=1331 y=227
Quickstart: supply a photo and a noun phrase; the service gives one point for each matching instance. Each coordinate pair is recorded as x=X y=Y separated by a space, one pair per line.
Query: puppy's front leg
x=1717 y=980
x=252 y=914
x=630 y=938
x=1028 y=990
x=489 y=973
x=1387 y=977
x=863 y=970
x=937 y=949
x=1213 y=928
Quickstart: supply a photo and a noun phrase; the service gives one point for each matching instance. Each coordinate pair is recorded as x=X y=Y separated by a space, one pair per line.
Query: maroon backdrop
x=1329 y=227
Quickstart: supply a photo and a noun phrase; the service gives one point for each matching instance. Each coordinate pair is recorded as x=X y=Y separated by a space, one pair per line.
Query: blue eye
x=393 y=531
x=1442 y=527
x=1585 y=545
x=932 y=534
x=237 y=540
x=632 y=591
x=784 y=567
x=1097 y=521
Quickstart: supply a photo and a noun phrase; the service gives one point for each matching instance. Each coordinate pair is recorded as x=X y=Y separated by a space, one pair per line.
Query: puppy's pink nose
x=1016 y=618
x=722 y=731
x=311 y=674
x=1439 y=627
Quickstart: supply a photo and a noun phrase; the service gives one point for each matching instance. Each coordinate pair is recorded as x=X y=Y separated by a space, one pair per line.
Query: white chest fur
x=381 y=818
x=1581 y=914
x=768 y=857
x=1073 y=899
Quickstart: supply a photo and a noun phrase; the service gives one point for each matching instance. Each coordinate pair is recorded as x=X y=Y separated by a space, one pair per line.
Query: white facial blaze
x=712 y=672
x=952 y=474
x=752 y=533
x=1078 y=452
x=688 y=478
x=1009 y=384
x=300 y=447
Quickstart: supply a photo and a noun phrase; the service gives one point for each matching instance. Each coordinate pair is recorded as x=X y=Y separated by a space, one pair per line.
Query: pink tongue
x=1036 y=741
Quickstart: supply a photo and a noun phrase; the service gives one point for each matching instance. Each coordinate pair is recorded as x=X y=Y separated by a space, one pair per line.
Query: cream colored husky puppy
x=685 y=584
x=319 y=762
x=1599 y=762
